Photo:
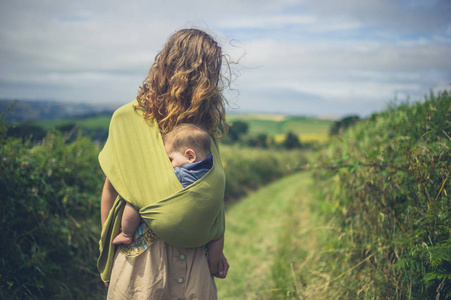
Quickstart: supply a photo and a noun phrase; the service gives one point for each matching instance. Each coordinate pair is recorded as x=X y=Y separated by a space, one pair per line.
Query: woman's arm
x=216 y=260
x=109 y=194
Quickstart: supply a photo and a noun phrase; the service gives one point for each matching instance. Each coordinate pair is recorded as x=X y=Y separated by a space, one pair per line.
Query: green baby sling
x=135 y=162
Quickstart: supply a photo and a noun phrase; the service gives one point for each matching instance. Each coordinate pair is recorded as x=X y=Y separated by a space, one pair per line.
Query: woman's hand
x=216 y=260
x=223 y=267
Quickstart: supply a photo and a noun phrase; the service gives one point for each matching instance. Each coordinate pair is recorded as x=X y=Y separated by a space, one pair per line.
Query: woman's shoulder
x=130 y=116
x=125 y=111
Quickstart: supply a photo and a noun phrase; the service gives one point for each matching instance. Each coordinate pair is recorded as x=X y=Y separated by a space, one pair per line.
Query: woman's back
x=183 y=86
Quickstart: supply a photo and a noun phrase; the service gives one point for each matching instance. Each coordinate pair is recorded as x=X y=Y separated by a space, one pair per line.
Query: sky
x=320 y=57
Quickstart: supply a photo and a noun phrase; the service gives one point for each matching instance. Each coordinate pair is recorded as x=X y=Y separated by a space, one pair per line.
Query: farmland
x=307 y=128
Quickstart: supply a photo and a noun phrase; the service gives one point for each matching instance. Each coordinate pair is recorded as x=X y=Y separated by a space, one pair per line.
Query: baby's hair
x=186 y=136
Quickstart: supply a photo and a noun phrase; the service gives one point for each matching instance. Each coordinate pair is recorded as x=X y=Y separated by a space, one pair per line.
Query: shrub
x=27 y=131
x=342 y=125
x=236 y=131
x=291 y=141
x=250 y=168
x=50 y=218
x=386 y=184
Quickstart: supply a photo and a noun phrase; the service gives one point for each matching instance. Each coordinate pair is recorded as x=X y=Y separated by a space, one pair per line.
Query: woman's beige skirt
x=162 y=272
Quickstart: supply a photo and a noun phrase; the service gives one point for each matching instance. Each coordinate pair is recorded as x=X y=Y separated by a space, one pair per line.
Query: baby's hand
x=121 y=238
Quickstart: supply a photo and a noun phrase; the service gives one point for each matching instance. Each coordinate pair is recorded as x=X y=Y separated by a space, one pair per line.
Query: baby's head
x=187 y=143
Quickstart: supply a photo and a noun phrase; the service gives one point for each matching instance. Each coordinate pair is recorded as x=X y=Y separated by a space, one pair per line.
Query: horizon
x=232 y=110
x=105 y=107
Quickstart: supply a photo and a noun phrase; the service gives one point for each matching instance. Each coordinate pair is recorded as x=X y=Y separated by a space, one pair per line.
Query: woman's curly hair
x=183 y=84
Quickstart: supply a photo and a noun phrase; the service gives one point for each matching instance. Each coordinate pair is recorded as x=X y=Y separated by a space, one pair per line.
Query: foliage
x=95 y=128
x=237 y=129
x=50 y=219
x=261 y=140
x=27 y=131
x=291 y=141
x=385 y=185
x=238 y=136
x=250 y=168
x=342 y=125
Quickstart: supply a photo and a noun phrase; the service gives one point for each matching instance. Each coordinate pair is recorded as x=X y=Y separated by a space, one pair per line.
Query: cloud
x=266 y=21
x=324 y=56
x=406 y=16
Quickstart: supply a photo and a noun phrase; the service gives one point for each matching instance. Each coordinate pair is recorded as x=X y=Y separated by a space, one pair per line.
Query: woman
x=168 y=260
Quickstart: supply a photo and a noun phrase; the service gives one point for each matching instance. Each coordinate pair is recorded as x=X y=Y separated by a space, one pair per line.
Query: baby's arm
x=216 y=259
x=130 y=221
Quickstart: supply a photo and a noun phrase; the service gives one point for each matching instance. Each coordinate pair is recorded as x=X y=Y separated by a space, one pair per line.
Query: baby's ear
x=190 y=155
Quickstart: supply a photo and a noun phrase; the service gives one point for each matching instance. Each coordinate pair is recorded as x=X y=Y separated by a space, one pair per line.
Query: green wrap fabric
x=136 y=163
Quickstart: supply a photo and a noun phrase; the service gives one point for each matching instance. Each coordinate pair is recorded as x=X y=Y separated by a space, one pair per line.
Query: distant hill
x=94 y=120
x=32 y=110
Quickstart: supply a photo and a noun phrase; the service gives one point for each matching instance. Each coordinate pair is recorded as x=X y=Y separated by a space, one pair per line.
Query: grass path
x=270 y=242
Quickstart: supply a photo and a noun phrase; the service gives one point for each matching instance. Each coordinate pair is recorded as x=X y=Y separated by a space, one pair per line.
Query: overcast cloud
x=321 y=57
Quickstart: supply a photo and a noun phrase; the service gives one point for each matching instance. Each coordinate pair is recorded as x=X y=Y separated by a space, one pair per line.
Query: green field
x=278 y=124
x=88 y=123
x=307 y=128
x=270 y=124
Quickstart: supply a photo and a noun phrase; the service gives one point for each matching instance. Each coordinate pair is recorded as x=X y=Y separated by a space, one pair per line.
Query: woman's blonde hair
x=183 y=84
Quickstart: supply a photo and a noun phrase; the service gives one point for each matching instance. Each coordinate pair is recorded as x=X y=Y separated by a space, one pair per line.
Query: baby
x=188 y=149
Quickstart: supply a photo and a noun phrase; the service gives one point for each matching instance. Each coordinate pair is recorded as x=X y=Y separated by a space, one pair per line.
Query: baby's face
x=178 y=159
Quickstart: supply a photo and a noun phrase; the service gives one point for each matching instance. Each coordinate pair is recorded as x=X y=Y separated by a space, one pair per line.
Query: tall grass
x=385 y=186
